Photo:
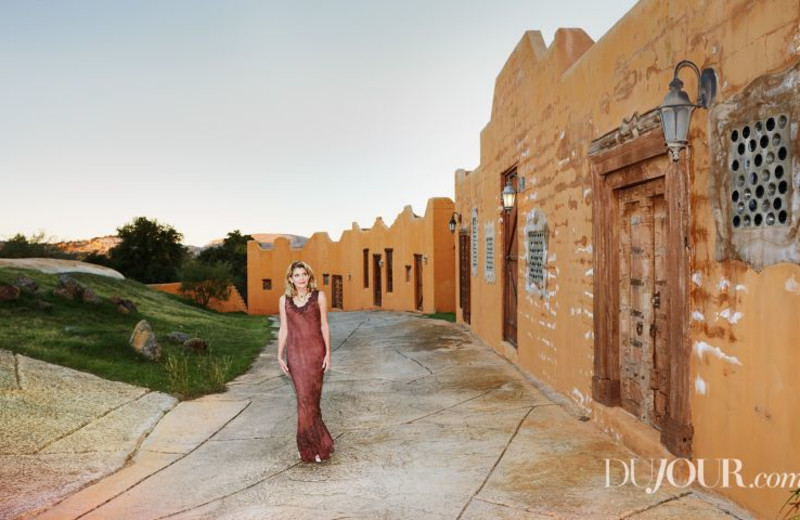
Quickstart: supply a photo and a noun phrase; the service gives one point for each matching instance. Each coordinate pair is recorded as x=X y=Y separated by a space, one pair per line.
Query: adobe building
x=662 y=296
x=406 y=266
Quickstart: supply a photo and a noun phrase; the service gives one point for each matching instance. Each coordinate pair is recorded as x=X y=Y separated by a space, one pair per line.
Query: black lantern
x=452 y=223
x=676 y=110
x=508 y=195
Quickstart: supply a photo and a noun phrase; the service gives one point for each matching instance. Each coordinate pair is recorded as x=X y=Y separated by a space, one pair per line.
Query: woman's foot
x=317 y=459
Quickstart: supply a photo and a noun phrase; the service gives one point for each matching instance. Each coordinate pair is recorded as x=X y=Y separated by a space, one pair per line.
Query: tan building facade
x=406 y=266
x=660 y=296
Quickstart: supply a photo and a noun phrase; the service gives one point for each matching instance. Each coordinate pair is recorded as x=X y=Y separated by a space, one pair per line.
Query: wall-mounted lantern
x=509 y=194
x=676 y=110
x=452 y=223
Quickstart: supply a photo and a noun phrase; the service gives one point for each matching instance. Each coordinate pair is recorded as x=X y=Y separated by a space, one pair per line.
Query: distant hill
x=99 y=245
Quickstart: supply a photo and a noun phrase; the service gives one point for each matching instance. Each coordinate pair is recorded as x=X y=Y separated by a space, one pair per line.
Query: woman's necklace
x=301 y=299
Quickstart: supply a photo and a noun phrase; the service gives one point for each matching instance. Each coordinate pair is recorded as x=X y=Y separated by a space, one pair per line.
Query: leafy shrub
x=204 y=281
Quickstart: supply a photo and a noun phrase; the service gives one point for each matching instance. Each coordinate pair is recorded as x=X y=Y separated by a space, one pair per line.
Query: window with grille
x=752 y=177
x=759 y=162
x=488 y=249
x=474 y=230
x=536 y=237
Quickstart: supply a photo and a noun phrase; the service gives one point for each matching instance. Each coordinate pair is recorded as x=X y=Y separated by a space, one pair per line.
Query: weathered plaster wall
x=408 y=235
x=548 y=106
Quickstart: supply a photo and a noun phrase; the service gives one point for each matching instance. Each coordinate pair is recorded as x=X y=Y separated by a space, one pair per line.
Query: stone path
x=429 y=423
x=61 y=429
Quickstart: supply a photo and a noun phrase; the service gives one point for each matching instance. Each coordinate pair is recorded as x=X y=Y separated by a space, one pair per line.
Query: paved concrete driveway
x=429 y=423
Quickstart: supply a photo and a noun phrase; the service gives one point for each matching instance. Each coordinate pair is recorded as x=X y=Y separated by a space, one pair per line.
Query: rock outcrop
x=177 y=337
x=8 y=293
x=26 y=284
x=143 y=341
x=89 y=296
x=196 y=345
x=124 y=306
x=69 y=288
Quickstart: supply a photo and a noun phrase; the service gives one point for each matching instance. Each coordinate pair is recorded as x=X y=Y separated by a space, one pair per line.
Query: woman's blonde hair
x=288 y=286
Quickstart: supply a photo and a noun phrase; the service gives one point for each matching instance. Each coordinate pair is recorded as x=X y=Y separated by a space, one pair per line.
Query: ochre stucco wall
x=549 y=104
x=408 y=235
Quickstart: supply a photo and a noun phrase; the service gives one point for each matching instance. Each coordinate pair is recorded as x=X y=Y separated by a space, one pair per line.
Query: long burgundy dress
x=305 y=351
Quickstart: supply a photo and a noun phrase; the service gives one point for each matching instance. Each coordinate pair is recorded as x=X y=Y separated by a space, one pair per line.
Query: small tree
x=204 y=281
x=232 y=251
x=148 y=251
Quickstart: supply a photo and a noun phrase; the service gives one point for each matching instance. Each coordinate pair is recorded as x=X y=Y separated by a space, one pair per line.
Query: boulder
x=123 y=306
x=143 y=341
x=8 y=293
x=196 y=345
x=26 y=284
x=89 y=296
x=63 y=293
x=68 y=288
x=178 y=338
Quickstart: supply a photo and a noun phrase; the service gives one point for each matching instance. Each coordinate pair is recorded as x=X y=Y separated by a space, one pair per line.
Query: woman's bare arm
x=326 y=333
x=282 y=333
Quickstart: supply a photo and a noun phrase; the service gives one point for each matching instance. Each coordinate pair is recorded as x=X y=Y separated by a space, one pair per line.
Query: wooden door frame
x=510 y=227
x=610 y=158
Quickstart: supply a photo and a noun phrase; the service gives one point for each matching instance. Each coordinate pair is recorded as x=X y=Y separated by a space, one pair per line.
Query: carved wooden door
x=464 y=274
x=377 y=290
x=644 y=357
x=338 y=292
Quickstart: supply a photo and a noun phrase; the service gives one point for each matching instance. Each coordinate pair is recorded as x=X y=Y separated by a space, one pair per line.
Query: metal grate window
x=536 y=252
x=474 y=230
x=266 y=284
x=759 y=165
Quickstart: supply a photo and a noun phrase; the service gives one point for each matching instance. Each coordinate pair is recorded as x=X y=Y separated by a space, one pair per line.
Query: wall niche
x=753 y=180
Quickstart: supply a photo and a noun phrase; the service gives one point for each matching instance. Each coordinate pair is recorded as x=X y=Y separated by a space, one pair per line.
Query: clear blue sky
x=267 y=116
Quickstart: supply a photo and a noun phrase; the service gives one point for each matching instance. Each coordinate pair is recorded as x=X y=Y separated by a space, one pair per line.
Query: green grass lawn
x=94 y=338
x=446 y=316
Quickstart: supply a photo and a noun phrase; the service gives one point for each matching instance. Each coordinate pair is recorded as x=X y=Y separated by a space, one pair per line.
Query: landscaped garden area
x=94 y=337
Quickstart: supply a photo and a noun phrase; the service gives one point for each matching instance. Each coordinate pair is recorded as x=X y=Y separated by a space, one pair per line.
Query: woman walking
x=305 y=336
